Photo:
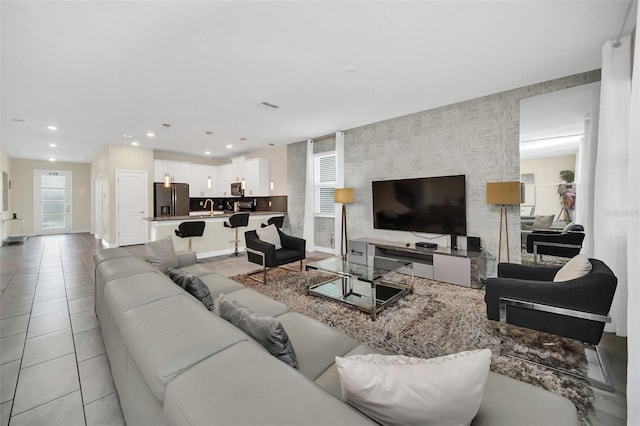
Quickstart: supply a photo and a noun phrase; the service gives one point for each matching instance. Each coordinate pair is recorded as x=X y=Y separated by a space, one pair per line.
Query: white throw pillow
x=577 y=267
x=269 y=234
x=569 y=227
x=402 y=390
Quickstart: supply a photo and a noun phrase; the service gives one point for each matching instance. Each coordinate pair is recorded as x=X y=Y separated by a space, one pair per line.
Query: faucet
x=209 y=200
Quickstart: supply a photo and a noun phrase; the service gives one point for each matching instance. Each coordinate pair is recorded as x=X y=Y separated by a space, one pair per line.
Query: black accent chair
x=275 y=220
x=546 y=304
x=236 y=221
x=555 y=243
x=265 y=254
x=190 y=229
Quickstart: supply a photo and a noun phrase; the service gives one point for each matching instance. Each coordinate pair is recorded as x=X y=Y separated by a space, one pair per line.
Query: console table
x=459 y=267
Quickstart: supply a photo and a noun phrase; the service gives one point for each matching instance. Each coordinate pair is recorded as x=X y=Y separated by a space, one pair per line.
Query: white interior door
x=52 y=201
x=132 y=196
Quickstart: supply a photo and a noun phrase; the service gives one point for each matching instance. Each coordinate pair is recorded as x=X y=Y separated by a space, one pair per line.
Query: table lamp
x=344 y=196
x=503 y=194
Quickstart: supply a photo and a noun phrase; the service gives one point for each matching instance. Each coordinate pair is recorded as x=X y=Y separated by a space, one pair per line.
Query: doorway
x=131 y=196
x=52 y=201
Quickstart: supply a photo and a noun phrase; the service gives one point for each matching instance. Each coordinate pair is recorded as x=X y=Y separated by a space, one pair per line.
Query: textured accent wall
x=478 y=138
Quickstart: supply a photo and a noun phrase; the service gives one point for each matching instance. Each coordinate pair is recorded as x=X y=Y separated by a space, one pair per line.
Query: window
x=325 y=183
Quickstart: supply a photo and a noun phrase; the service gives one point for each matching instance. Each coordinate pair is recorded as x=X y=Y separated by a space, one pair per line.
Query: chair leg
x=264 y=275
x=300 y=265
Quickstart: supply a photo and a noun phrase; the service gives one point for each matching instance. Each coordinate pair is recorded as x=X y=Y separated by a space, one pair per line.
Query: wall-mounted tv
x=435 y=205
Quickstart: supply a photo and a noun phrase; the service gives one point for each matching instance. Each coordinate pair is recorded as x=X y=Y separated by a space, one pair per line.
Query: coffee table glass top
x=366 y=287
x=367 y=273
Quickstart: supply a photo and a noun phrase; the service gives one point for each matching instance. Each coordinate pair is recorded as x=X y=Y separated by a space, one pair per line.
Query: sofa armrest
x=253 y=243
x=186 y=258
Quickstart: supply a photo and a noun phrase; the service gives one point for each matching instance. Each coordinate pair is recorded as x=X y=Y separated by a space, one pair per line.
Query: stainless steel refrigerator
x=171 y=201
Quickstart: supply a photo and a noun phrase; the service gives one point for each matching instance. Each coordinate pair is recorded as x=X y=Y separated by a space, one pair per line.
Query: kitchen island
x=216 y=239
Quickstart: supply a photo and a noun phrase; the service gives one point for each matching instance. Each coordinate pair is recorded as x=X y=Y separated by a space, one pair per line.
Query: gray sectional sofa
x=175 y=362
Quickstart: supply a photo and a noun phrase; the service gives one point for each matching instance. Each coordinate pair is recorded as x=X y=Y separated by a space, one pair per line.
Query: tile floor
x=53 y=365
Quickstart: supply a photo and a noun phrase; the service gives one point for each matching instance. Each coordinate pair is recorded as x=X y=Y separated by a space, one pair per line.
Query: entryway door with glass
x=52 y=202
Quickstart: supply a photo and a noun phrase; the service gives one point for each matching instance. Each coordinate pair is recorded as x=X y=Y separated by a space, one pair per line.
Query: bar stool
x=190 y=229
x=275 y=220
x=236 y=221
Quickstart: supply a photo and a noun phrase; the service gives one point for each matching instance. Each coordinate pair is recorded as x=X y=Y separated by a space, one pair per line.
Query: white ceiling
x=98 y=70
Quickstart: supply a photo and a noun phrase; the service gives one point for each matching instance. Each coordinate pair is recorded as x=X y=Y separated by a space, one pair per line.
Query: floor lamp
x=503 y=194
x=343 y=196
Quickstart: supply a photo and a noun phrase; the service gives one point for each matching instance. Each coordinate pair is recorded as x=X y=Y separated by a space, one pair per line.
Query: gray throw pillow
x=162 y=254
x=543 y=222
x=265 y=330
x=193 y=285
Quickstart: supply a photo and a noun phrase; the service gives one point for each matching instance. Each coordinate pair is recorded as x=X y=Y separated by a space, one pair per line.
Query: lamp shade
x=503 y=193
x=343 y=195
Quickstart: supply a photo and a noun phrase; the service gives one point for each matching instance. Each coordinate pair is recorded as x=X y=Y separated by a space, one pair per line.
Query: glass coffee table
x=370 y=288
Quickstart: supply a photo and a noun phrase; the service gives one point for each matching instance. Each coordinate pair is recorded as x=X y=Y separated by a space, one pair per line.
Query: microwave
x=236 y=189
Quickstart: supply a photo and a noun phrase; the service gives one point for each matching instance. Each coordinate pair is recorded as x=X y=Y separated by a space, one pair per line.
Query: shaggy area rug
x=439 y=319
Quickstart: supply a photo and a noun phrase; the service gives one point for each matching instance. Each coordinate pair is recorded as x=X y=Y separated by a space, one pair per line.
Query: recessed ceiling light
x=52 y=145
x=243 y=139
x=166 y=125
x=208 y=133
x=207 y=152
x=18 y=120
x=229 y=146
x=151 y=134
x=272 y=144
x=267 y=105
x=350 y=68
x=127 y=135
x=52 y=127
x=134 y=143
x=52 y=159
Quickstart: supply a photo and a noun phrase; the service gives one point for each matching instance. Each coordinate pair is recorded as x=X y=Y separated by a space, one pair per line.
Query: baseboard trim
x=107 y=244
x=324 y=250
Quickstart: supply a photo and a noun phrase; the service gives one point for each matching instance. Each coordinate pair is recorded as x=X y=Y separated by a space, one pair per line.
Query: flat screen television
x=432 y=204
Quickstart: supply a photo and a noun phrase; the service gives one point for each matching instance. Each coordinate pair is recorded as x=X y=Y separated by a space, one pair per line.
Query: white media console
x=443 y=264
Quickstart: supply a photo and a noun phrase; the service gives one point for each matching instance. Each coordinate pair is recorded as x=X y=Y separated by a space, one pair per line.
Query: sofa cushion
x=269 y=234
x=243 y=385
x=168 y=336
x=162 y=254
x=193 y=285
x=402 y=390
x=257 y=302
x=508 y=402
x=316 y=344
x=219 y=284
x=264 y=329
x=129 y=292
x=577 y=267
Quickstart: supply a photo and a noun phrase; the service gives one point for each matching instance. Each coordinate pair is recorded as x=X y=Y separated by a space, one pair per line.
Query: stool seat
x=236 y=221
x=190 y=229
x=275 y=220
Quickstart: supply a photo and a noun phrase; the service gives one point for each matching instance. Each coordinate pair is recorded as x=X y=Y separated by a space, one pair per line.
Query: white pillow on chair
x=577 y=267
x=269 y=234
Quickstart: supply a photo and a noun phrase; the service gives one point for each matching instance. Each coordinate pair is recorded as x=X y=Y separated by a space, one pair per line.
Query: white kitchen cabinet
x=198 y=176
x=177 y=170
x=223 y=183
x=256 y=176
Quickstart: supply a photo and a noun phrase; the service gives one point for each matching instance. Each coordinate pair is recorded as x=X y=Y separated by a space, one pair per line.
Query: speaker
x=357 y=252
x=473 y=244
